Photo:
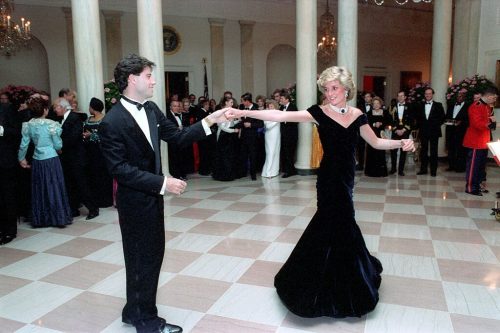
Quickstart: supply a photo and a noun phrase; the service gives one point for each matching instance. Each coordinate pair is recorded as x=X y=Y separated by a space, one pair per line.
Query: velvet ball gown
x=330 y=271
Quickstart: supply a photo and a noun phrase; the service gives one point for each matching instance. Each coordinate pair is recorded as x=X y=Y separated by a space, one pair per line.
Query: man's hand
x=218 y=116
x=408 y=145
x=176 y=186
x=232 y=113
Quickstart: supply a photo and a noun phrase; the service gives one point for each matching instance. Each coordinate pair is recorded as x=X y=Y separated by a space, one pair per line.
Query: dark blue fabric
x=49 y=199
x=330 y=272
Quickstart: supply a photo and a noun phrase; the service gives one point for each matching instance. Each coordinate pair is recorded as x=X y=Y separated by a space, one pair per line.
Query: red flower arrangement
x=18 y=94
x=468 y=86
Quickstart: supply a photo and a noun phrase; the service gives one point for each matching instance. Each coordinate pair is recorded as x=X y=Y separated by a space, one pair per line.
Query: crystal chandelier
x=399 y=2
x=12 y=36
x=327 y=42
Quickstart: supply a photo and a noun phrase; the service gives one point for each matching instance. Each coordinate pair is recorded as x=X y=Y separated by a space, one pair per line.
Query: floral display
x=416 y=94
x=469 y=86
x=111 y=94
x=18 y=94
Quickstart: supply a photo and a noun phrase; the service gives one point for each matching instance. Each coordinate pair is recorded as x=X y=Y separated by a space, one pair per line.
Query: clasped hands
x=407 y=145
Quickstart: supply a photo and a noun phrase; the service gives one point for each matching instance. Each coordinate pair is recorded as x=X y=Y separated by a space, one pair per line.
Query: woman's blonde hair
x=273 y=102
x=341 y=74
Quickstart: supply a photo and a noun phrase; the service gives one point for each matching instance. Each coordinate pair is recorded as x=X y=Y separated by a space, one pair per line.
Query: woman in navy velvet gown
x=330 y=271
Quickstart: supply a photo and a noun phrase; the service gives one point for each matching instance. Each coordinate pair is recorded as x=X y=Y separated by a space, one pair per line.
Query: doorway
x=375 y=84
x=176 y=83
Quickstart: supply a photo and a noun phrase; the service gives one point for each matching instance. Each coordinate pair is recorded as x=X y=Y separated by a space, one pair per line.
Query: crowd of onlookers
x=51 y=163
x=467 y=132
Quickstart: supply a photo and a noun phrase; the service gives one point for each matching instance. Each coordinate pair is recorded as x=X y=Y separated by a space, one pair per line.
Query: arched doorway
x=28 y=67
x=281 y=67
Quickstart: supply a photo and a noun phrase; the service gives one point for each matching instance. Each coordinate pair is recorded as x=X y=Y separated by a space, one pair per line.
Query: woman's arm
x=384 y=144
x=271 y=115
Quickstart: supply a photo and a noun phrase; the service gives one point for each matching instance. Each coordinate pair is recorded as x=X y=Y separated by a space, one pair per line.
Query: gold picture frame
x=171 y=40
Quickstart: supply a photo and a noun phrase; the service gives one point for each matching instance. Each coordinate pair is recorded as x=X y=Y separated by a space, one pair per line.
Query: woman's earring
x=346 y=94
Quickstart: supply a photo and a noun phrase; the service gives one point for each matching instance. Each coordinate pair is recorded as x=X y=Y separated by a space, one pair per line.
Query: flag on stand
x=205 y=79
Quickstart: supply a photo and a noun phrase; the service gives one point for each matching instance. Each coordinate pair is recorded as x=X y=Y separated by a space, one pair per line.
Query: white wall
x=394 y=40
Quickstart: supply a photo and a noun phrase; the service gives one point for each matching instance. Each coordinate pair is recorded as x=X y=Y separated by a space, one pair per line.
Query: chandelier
x=327 y=42
x=399 y=2
x=12 y=36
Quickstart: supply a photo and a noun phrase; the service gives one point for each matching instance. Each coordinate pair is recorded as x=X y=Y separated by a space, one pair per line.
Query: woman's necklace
x=342 y=111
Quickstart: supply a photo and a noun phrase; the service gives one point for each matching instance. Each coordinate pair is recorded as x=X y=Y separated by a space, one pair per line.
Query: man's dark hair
x=247 y=97
x=284 y=93
x=64 y=91
x=491 y=90
x=429 y=88
x=131 y=64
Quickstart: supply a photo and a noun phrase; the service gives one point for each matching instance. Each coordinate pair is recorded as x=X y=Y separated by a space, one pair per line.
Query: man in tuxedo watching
x=289 y=137
x=248 y=126
x=429 y=118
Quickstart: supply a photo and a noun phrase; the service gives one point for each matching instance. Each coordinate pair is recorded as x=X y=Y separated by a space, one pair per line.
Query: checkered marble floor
x=226 y=240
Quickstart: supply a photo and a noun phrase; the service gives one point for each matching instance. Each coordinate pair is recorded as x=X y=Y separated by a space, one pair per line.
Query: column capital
x=112 y=14
x=246 y=22
x=216 y=22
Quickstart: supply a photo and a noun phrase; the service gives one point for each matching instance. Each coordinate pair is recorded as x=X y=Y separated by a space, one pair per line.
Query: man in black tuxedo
x=73 y=160
x=365 y=107
x=289 y=137
x=248 y=138
x=10 y=135
x=175 y=157
x=130 y=142
x=429 y=118
x=402 y=123
x=457 y=121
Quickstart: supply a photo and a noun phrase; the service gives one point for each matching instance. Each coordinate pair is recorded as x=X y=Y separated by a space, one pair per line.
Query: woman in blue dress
x=330 y=271
x=49 y=199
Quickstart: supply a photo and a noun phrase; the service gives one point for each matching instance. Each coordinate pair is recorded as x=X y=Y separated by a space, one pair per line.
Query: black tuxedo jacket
x=430 y=128
x=9 y=142
x=249 y=134
x=170 y=116
x=405 y=123
x=73 y=153
x=134 y=163
x=289 y=130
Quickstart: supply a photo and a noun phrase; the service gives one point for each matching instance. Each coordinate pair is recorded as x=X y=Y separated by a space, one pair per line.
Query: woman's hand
x=24 y=164
x=408 y=145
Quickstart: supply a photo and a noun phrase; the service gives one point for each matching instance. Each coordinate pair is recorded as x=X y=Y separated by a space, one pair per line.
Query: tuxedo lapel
x=133 y=128
x=153 y=130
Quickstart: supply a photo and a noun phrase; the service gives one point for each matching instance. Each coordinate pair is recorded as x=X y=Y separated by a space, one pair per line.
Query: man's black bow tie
x=137 y=104
x=428 y=102
x=401 y=105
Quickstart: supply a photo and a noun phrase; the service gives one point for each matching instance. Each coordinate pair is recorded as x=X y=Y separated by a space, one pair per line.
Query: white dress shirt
x=457 y=109
x=428 y=106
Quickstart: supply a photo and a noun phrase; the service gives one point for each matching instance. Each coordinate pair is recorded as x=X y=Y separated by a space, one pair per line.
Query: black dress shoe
x=393 y=171
x=450 y=169
x=422 y=173
x=433 y=174
x=4 y=239
x=170 y=328
x=478 y=193
x=75 y=213
x=401 y=173
x=92 y=214
x=285 y=175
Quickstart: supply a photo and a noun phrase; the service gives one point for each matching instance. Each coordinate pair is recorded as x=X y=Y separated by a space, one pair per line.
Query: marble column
x=217 y=56
x=473 y=47
x=88 y=53
x=150 y=21
x=112 y=21
x=246 y=33
x=306 y=35
x=347 y=49
x=70 y=48
x=440 y=61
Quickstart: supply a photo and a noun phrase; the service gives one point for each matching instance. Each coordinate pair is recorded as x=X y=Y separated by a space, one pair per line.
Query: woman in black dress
x=100 y=182
x=378 y=119
x=330 y=272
